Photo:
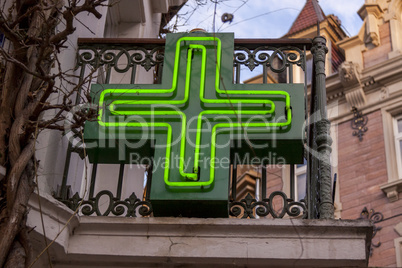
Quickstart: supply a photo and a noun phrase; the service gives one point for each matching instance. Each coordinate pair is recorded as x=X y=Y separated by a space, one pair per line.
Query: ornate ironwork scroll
x=128 y=206
x=375 y=217
x=249 y=207
x=359 y=123
x=274 y=58
x=120 y=58
x=277 y=59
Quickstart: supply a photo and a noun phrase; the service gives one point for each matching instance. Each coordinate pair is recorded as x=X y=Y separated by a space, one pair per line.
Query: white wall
x=125 y=19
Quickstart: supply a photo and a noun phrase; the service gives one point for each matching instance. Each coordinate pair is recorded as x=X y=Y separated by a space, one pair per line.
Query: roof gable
x=309 y=16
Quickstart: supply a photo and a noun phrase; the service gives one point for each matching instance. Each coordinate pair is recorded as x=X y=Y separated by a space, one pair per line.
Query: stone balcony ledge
x=149 y=242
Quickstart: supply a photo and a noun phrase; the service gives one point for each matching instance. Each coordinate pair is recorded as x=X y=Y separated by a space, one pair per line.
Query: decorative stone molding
x=392 y=109
x=392 y=194
x=392 y=15
x=356 y=97
x=398 y=228
x=353 y=47
x=335 y=96
x=392 y=190
x=372 y=33
x=140 y=242
x=384 y=93
x=349 y=74
x=398 y=250
x=371 y=13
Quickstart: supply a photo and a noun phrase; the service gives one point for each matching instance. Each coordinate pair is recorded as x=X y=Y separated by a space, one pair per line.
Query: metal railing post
x=323 y=138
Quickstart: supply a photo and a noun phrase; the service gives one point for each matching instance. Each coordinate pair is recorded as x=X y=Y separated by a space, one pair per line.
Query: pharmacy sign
x=193 y=125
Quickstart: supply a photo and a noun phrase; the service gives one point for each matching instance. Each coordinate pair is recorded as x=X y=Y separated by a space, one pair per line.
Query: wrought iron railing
x=129 y=60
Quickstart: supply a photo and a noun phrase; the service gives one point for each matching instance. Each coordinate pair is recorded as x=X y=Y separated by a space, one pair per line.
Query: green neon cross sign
x=197 y=88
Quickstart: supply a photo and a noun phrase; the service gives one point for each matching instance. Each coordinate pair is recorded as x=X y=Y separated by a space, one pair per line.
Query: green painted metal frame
x=118 y=101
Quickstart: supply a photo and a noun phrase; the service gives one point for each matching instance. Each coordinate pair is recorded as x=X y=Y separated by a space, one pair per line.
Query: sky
x=263 y=18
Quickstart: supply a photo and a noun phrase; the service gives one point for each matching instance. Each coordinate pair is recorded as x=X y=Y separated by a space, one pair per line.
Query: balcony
x=250 y=234
x=127 y=61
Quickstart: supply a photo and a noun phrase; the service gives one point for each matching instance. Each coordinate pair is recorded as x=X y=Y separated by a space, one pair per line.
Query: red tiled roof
x=309 y=16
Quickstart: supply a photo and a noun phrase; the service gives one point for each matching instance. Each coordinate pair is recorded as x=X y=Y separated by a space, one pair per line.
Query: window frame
x=393 y=187
x=389 y=114
x=397 y=140
x=299 y=171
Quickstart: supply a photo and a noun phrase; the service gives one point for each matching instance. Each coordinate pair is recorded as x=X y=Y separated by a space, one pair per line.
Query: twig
x=39 y=203
x=72 y=216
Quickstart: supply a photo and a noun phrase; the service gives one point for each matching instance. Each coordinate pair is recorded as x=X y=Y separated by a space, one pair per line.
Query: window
x=392 y=127
x=300 y=180
x=398 y=143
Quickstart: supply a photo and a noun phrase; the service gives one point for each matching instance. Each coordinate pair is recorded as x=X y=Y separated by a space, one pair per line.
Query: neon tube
x=192 y=176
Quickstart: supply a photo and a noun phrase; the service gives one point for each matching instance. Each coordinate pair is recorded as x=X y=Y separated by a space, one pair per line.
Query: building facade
x=78 y=240
x=364 y=105
x=372 y=95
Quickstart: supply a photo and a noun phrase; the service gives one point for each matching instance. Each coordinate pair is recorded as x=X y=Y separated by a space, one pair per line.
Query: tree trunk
x=16 y=258
x=14 y=223
x=34 y=35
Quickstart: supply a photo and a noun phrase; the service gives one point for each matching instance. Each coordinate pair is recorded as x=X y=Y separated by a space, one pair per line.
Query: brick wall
x=379 y=54
x=362 y=169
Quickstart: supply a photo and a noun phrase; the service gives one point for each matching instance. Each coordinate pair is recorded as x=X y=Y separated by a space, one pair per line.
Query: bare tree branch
x=32 y=74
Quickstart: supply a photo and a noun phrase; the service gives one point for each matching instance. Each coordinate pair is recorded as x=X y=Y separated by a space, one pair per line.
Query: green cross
x=196 y=93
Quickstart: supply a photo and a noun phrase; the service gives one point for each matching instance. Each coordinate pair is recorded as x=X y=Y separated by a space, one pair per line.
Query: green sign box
x=194 y=124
